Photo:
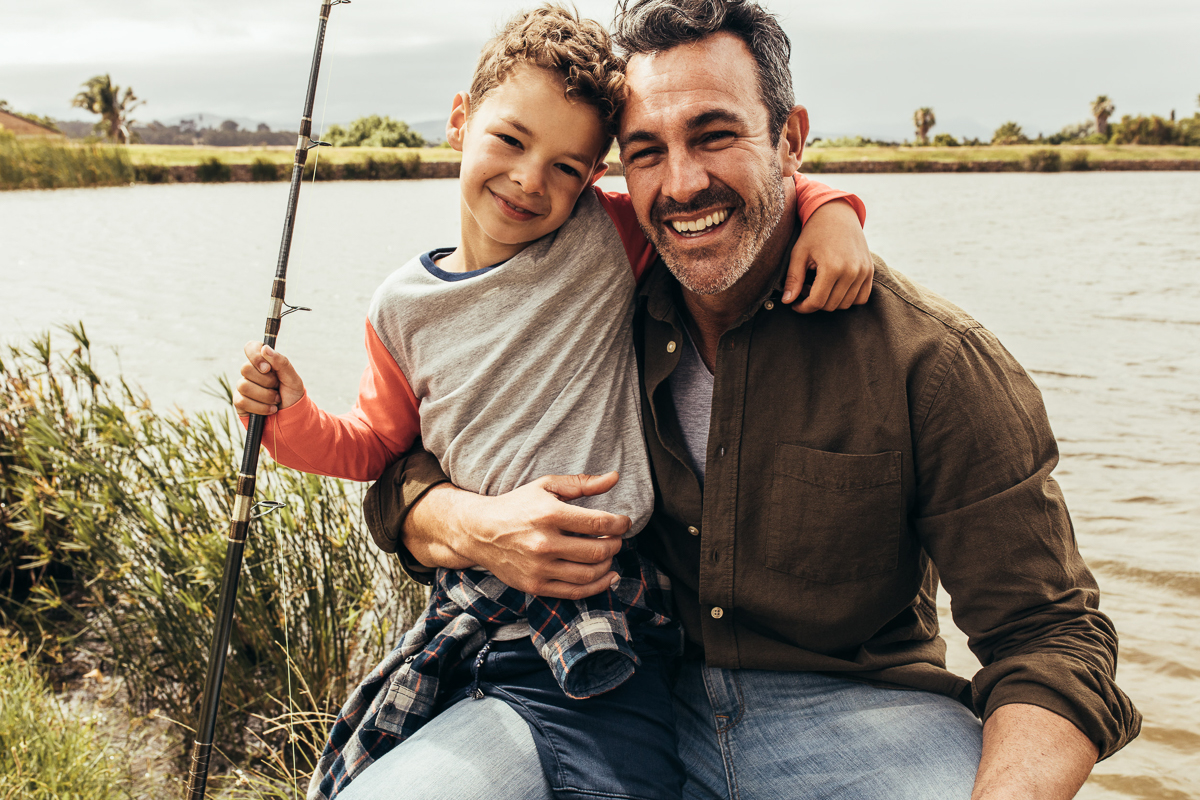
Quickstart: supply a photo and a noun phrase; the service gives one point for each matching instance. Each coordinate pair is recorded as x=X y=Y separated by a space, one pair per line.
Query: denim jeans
x=804 y=736
x=744 y=735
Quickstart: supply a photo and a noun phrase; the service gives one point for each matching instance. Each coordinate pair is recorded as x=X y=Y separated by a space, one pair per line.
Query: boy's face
x=528 y=153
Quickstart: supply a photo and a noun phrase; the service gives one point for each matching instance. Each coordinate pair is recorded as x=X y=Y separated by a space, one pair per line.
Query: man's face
x=702 y=169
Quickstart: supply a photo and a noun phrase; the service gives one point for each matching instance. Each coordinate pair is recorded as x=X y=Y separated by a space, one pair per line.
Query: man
x=815 y=479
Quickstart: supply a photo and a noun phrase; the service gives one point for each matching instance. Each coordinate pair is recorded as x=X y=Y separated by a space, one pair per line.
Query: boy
x=545 y=383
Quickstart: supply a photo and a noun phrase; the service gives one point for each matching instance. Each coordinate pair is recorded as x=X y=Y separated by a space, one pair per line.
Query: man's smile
x=690 y=228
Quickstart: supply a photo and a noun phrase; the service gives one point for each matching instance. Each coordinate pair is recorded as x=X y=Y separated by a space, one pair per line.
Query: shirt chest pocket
x=834 y=517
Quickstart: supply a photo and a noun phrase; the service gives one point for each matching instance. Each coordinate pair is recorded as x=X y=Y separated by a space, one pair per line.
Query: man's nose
x=685 y=177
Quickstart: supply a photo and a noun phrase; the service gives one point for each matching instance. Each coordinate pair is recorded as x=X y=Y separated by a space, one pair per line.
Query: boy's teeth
x=696 y=225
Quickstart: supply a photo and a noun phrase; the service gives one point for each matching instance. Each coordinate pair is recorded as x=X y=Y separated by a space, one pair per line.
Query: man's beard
x=713 y=269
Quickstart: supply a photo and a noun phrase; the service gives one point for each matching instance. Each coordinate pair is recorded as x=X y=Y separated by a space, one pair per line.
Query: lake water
x=1091 y=280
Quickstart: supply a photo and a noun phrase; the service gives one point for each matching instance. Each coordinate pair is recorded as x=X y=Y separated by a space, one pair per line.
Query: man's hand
x=1030 y=753
x=269 y=382
x=831 y=243
x=522 y=537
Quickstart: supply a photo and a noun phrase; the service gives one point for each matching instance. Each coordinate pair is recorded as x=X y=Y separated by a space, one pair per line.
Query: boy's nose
x=529 y=178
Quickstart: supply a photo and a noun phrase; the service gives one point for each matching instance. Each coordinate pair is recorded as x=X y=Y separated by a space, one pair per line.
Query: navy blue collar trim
x=428 y=259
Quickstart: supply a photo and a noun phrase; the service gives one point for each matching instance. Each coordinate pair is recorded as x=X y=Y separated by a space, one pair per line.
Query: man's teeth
x=692 y=226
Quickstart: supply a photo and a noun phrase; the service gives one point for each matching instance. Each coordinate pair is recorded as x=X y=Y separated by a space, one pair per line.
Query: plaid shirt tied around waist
x=587 y=644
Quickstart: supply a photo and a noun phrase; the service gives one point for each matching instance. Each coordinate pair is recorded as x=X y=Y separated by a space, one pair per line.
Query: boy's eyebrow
x=570 y=154
x=695 y=123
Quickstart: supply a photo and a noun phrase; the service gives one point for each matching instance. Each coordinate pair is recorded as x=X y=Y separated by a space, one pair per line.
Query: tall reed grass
x=39 y=163
x=113 y=519
x=45 y=754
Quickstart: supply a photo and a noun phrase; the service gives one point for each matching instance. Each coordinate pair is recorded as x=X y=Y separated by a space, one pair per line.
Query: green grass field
x=170 y=155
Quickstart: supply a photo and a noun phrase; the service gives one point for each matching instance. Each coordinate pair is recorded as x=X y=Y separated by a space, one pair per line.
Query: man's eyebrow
x=716 y=115
x=637 y=136
x=693 y=124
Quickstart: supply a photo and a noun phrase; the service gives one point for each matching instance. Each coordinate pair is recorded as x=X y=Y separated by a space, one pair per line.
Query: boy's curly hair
x=558 y=39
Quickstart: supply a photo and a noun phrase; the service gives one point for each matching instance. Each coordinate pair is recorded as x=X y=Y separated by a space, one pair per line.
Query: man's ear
x=457 y=124
x=792 y=139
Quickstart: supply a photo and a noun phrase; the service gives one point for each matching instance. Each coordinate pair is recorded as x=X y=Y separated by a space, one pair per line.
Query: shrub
x=1078 y=162
x=382 y=169
x=1143 y=130
x=815 y=164
x=113 y=518
x=151 y=173
x=1044 y=161
x=945 y=140
x=213 y=171
x=263 y=170
x=44 y=754
x=1073 y=133
x=374 y=131
x=1009 y=133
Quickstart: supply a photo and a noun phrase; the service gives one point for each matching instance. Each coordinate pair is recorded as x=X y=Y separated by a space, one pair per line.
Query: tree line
x=115 y=108
x=1140 y=129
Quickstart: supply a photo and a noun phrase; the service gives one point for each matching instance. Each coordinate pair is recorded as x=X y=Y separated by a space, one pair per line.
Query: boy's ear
x=456 y=125
x=598 y=172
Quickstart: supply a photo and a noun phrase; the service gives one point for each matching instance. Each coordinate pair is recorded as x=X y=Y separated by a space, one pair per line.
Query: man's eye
x=645 y=152
x=716 y=137
x=569 y=170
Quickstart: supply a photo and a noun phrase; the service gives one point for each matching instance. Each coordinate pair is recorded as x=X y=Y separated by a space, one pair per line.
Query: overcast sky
x=861 y=66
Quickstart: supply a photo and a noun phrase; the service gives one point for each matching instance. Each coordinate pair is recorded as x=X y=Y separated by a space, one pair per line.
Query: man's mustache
x=701 y=201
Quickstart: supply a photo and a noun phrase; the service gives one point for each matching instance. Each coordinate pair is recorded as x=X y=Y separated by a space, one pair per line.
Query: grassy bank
x=37 y=163
x=163 y=155
x=31 y=164
x=113 y=518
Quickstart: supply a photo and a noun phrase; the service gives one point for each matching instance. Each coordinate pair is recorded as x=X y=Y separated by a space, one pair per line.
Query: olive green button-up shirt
x=853 y=459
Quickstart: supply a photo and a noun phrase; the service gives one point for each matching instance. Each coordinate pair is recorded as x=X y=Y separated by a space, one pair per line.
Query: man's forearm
x=1032 y=754
x=429 y=533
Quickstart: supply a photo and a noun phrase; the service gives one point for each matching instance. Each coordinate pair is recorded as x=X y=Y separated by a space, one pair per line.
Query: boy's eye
x=508 y=140
x=569 y=170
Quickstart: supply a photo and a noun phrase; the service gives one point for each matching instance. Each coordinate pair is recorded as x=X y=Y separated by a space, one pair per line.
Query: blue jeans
x=805 y=736
x=744 y=735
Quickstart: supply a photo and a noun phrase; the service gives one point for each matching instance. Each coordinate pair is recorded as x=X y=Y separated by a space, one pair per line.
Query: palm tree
x=101 y=97
x=1102 y=109
x=923 y=119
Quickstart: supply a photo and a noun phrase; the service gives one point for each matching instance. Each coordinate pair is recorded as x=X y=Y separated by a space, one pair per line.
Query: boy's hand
x=831 y=243
x=269 y=382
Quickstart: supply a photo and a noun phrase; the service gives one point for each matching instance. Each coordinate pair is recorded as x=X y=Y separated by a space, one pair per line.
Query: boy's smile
x=528 y=153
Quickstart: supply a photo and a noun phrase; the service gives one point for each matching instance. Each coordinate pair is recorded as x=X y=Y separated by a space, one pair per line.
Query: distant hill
x=434 y=130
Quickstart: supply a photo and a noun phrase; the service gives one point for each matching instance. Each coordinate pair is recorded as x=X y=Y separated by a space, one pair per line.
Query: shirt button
x=720 y=452
x=693 y=530
x=717 y=612
x=770 y=304
x=670 y=347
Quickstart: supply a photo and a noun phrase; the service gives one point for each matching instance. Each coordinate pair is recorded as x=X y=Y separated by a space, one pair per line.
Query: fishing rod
x=244 y=507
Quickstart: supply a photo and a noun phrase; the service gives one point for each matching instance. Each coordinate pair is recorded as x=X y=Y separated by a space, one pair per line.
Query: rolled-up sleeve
x=996 y=525
x=392 y=497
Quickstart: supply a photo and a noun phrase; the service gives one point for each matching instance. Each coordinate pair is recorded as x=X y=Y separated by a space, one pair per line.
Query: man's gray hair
x=654 y=26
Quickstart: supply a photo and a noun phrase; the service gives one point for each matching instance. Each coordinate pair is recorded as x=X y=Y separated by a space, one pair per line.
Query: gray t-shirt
x=691 y=386
x=527 y=368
